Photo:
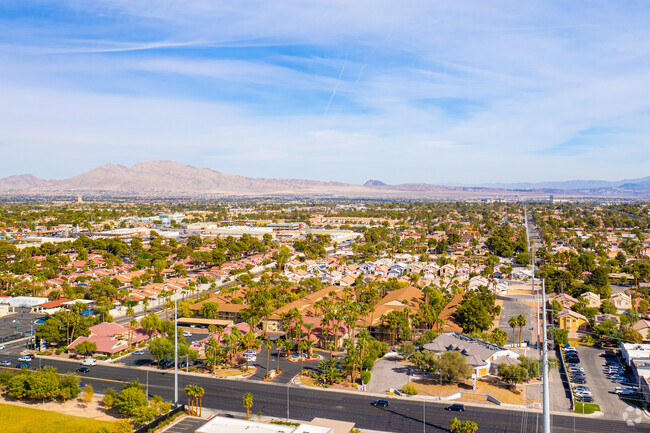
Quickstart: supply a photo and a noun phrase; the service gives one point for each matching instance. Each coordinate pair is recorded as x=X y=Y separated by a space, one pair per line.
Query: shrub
x=409 y=389
x=109 y=397
x=365 y=376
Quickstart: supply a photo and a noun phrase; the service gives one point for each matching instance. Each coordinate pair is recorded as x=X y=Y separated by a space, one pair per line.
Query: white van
x=89 y=362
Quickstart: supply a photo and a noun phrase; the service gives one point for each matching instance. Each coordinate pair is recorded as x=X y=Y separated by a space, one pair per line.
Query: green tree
x=209 y=310
x=453 y=366
x=130 y=399
x=86 y=348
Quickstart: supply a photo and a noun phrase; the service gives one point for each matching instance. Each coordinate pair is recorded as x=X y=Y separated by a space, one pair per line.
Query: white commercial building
x=231 y=425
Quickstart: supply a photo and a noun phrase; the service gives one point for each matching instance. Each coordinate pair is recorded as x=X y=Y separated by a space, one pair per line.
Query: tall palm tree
x=189 y=391
x=247 y=400
x=199 y=391
x=133 y=325
x=268 y=344
x=513 y=322
x=521 y=322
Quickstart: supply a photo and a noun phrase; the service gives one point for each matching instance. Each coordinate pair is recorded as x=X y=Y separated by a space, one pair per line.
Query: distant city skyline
x=451 y=93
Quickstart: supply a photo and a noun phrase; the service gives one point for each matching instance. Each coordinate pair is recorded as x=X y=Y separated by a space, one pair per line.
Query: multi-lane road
x=403 y=415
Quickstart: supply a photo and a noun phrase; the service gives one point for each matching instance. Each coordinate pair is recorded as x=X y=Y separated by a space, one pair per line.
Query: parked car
x=89 y=362
x=22 y=365
x=250 y=358
x=580 y=380
x=187 y=334
x=582 y=388
x=618 y=379
x=380 y=403
x=2 y=346
x=620 y=389
x=5 y=363
x=83 y=370
x=456 y=407
x=585 y=398
x=250 y=352
x=139 y=352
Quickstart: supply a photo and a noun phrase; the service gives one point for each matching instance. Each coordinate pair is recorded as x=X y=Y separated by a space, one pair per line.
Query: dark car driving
x=380 y=403
x=456 y=407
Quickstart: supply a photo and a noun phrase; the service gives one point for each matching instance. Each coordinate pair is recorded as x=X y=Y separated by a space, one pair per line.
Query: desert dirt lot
x=500 y=392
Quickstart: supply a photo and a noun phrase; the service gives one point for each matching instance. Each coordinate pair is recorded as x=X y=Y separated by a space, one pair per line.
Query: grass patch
x=310 y=381
x=589 y=408
x=17 y=419
x=231 y=373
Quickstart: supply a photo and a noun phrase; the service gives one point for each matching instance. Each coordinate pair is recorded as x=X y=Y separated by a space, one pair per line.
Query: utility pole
x=175 y=353
x=546 y=400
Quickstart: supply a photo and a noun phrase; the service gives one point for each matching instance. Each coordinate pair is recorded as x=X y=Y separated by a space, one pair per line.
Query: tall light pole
x=424 y=417
x=175 y=353
x=546 y=400
x=288 y=401
x=147 y=385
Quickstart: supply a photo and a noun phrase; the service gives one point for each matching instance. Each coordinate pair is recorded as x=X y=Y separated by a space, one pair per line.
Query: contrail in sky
x=338 y=81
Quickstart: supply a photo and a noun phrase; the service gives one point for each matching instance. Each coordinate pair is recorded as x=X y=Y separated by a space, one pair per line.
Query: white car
x=2 y=346
x=623 y=389
x=250 y=352
x=250 y=358
x=89 y=362
x=187 y=334
x=139 y=352
x=26 y=358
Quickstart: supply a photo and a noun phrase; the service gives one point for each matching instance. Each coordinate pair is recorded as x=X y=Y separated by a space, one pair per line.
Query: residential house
x=572 y=322
x=592 y=299
x=600 y=318
x=566 y=301
x=643 y=326
x=622 y=302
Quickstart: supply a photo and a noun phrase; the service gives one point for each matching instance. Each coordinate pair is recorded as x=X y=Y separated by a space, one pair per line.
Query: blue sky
x=408 y=91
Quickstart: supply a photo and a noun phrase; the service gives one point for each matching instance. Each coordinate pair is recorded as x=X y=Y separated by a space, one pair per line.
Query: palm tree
x=199 y=391
x=133 y=325
x=521 y=322
x=513 y=322
x=248 y=403
x=145 y=304
x=212 y=350
x=189 y=391
x=268 y=344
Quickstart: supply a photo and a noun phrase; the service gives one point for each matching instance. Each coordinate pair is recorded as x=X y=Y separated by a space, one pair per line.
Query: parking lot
x=599 y=383
x=17 y=325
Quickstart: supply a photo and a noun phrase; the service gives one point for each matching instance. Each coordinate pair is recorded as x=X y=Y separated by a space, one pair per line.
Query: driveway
x=388 y=373
x=186 y=425
x=510 y=309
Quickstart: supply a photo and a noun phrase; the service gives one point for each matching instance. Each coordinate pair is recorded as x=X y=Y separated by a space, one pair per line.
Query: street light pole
x=147 y=385
x=175 y=353
x=545 y=400
x=424 y=417
x=288 y=401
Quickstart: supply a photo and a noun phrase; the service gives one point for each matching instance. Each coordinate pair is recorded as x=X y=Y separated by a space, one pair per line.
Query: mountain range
x=171 y=179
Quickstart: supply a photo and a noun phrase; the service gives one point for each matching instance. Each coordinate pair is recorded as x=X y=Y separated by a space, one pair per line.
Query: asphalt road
x=306 y=403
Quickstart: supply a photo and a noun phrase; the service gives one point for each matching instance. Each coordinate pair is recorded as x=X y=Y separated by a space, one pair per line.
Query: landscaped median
x=235 y=373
